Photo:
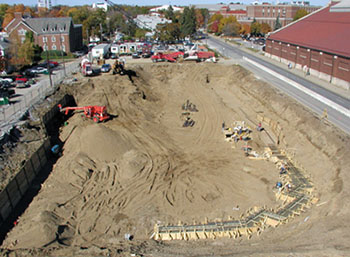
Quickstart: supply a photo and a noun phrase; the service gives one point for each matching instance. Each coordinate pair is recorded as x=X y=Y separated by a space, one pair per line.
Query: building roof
x=343 y=6
x=322 y=30
x=217 y=7
x=166 y=7
x=49 y=25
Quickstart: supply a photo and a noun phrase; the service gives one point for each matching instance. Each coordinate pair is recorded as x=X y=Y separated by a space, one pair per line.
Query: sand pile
x=143 y=167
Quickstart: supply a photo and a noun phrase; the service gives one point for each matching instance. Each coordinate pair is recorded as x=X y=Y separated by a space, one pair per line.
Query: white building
x=150 y=21
x=166 y=7
x=44 y=4
x=102 y=5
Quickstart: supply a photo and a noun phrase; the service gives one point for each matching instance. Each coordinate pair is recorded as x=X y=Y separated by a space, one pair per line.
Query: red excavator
x=94 y=112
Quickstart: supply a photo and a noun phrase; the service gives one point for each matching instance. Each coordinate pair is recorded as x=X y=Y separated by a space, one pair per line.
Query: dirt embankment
x=143 y=167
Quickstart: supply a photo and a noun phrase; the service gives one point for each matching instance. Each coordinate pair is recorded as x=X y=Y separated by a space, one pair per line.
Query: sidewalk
x=333 y=88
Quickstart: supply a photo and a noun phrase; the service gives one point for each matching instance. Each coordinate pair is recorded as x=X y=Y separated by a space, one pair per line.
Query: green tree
x=299 y=14
x=255 y=28
x=169 y=13
x=3 y=9
x=22 y=54
x=168 y=31
x=188 y=22
x=278 y=24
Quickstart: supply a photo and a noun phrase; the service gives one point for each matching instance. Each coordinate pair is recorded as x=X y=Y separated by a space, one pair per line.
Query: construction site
x=180 y=159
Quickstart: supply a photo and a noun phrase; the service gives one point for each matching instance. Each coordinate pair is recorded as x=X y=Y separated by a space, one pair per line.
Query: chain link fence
x=10 y=114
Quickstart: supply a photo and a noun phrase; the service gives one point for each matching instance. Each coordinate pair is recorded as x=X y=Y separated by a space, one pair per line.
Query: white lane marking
x=320 y=98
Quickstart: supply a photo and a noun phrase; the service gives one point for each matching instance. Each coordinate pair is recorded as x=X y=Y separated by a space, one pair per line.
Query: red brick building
x=49 y=33
x=267 y=13
x=225 y=11
x=318 y=42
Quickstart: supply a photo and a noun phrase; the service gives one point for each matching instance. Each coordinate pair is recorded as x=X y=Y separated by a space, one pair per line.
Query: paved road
x=9 y=115
x=307 y=93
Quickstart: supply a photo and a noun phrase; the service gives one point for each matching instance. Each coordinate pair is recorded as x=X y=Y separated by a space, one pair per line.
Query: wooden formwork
x=295 y=200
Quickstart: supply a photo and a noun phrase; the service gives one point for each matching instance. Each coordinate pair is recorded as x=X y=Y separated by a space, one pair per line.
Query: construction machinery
x=94 y=112
x=86 y=67
x=118 y=67
x=169 y=57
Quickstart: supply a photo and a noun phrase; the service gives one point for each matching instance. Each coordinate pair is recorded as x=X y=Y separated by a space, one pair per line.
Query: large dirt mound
x=143 y=167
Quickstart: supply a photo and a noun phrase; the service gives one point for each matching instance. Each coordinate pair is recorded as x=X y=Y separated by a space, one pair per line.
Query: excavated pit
x=143 y=167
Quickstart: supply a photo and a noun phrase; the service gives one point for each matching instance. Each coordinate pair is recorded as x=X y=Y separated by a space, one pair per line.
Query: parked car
x=39 y=70
x=21 y=84
x=52 y=64
x=135 y=56
x=21 y=78
x=78 y=54
x=114 y=56
x=106 y=67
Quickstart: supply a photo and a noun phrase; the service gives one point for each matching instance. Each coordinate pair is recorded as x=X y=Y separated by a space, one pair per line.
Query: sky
x=148 y=2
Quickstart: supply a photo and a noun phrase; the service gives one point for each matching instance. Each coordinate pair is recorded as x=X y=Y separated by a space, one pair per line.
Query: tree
x=205 y=14
x=3 y=9
x=168 y=31
x=299 y=14
x=22 y=54
x=265 y=28
x=199 y=18
x=278 y=24
x=245 y=29
x=188 y=22
x=9 y=16
x=232 y=29
x=169 y=13
x=255 y=28
x=214 y=28
x=19 y=8
x=214 y=23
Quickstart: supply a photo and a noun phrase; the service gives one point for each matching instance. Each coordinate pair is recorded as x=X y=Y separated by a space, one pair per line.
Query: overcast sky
x=147 y=2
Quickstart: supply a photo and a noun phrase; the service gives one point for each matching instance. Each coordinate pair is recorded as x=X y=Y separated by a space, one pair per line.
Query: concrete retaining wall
x=18 y=186
x=16 y=189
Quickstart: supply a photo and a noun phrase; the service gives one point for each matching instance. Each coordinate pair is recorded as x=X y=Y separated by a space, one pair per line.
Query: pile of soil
x=143 y=167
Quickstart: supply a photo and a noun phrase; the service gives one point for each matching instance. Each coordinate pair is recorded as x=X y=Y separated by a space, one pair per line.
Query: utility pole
x=87 y=36
x=101 y=31
x=47 y=63
x=64 y=65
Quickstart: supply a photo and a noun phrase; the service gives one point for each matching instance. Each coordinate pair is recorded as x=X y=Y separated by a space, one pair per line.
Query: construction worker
x=259 y=127
x=283 y=169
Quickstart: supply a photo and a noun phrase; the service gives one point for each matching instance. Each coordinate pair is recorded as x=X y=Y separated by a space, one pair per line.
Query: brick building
x=267 y=13
x=49 y=33
x=318 y=43
x=225 y=11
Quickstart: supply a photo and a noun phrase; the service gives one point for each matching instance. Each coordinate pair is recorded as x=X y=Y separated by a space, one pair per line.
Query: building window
x=22 y=32
x=44 y=39
x=54 y=47
x=23 y=39
x=45 y=47
x=62 y=38
x=63 y=47
x=53 y=39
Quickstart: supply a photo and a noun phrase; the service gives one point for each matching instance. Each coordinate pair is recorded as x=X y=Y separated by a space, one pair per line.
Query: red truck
x=170 y=57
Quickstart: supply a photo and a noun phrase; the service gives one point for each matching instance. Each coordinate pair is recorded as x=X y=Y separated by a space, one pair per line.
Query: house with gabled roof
x=49 y=33
x=317 y=43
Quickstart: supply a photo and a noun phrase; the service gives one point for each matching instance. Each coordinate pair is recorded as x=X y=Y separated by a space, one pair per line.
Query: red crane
x=94 y=112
